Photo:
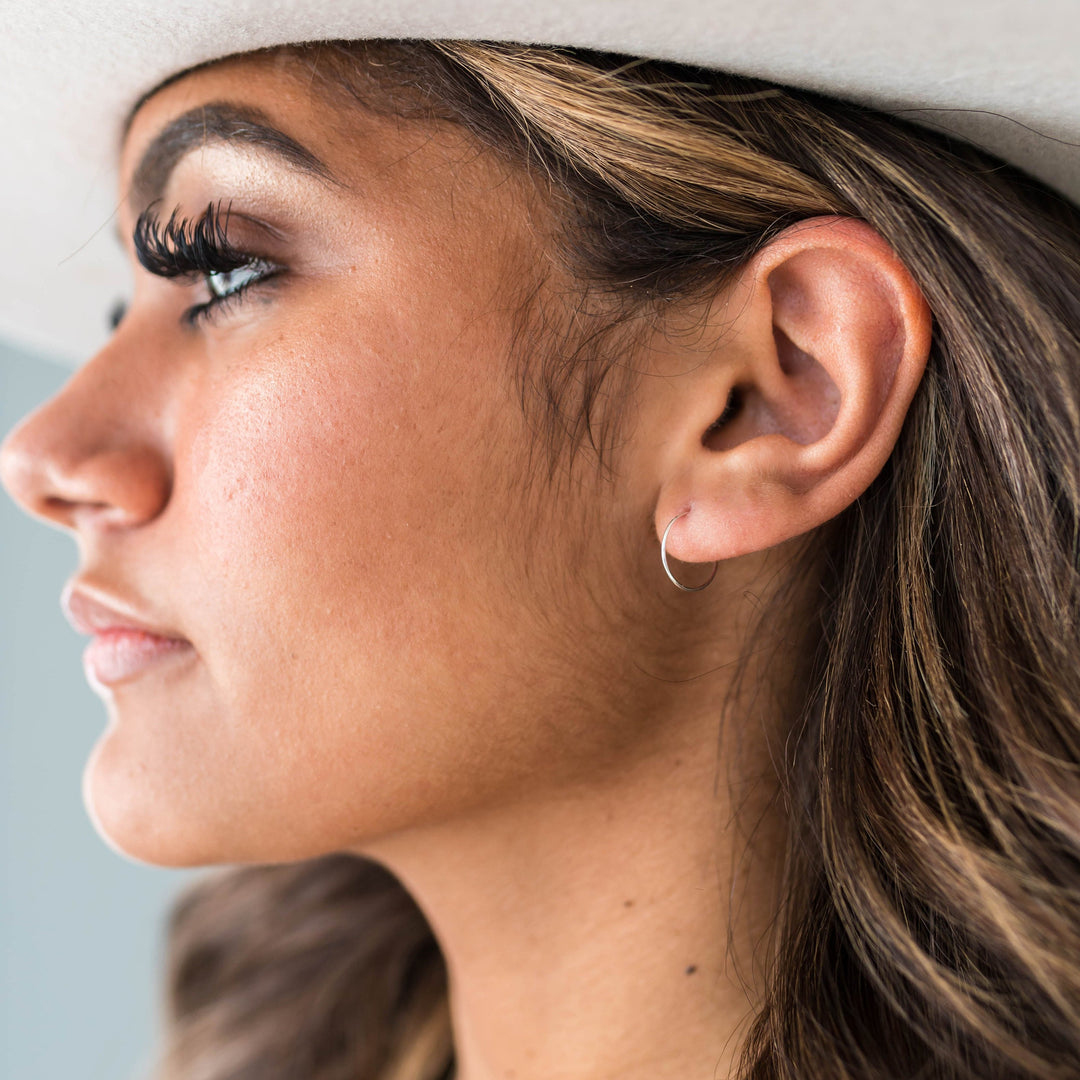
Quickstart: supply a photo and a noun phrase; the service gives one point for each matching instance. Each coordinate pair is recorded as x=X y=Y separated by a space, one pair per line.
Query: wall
x=80 y=926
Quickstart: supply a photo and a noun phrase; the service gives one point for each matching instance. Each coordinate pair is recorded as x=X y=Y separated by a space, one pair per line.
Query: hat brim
x=1002 y=75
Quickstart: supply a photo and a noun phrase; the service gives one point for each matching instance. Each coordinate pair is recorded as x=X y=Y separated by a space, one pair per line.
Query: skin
x=407 y=647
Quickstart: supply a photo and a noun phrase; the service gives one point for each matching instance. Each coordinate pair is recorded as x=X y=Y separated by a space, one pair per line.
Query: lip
x=125 y=644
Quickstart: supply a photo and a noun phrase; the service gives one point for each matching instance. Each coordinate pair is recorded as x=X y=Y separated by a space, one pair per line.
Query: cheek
x=289 y=475
x=314 y=502
x=331 y=524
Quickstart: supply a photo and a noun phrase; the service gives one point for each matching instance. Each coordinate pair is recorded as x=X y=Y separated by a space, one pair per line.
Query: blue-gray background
x=80 y=926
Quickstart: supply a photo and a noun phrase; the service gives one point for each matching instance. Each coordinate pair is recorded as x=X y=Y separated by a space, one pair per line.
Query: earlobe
x=825 y=341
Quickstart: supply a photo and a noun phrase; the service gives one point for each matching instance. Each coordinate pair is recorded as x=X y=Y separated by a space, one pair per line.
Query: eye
x=195 y=251
x=229 y=282
x=228 y=287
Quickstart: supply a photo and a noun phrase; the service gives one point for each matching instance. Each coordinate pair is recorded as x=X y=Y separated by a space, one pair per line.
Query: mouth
x=117 y=656
x=124 y=644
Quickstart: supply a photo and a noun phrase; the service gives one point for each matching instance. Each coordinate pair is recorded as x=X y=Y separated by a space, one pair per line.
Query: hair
x=930 y=921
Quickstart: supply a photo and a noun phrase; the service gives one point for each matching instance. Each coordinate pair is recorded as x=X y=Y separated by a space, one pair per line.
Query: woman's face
x=325 y=487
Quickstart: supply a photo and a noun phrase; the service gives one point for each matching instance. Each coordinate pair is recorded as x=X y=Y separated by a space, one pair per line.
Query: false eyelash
x=182 y=246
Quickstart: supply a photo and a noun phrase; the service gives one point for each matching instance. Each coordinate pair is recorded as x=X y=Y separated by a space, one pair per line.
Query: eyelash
x=183 y=247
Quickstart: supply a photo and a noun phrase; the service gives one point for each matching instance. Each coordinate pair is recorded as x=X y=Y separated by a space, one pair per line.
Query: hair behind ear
x=934 y=919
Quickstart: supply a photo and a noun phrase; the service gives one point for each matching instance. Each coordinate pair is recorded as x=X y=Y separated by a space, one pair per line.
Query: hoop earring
x=667 y=569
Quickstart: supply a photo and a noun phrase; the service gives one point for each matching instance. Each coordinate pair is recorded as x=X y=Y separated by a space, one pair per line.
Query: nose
x=90 y=456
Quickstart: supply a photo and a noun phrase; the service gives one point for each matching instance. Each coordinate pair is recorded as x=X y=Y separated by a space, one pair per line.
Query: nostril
x=116 y=487
x=56 y=508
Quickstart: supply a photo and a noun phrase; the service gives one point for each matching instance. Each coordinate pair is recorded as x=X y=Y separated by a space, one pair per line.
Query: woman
x=599 y=538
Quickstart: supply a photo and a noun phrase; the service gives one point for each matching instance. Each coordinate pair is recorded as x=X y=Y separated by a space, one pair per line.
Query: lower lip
x=116 y=656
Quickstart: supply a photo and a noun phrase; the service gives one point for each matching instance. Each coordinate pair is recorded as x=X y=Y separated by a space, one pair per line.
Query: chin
x=152 y=817
x=130 y=818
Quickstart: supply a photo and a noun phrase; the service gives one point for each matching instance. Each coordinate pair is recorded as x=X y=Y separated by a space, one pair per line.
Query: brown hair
x=931 y=917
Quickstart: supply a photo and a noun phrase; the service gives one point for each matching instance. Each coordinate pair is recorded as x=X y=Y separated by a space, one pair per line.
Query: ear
x=819 y=346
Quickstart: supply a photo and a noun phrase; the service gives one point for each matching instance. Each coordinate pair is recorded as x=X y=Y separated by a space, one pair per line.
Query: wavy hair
x=930 y=923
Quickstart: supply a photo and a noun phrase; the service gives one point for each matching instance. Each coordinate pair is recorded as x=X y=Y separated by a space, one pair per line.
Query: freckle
x=628 y=903
x=678 y=762
x=691 y=969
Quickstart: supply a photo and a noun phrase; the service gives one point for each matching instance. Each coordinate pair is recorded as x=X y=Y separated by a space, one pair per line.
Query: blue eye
x=228 y=287
x=229 y=282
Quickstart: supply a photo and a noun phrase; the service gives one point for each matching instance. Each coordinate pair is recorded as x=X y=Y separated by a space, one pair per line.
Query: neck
x=606 y=930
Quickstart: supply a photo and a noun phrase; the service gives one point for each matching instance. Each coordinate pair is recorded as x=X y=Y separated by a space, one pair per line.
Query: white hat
x=1001 y=73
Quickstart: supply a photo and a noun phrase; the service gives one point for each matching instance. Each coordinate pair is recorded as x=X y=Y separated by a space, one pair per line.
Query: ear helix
x=667 y=569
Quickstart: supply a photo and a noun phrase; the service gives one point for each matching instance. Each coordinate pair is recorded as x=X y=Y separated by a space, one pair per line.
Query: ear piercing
x=667 y=569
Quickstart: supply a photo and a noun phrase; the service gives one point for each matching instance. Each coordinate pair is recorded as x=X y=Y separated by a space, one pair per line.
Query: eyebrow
x=215 y=122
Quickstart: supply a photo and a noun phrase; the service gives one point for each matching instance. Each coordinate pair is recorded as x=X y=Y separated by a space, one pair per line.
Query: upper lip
x=92 y=614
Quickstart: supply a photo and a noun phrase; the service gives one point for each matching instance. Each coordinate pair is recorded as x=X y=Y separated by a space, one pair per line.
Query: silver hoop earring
x=667 y=569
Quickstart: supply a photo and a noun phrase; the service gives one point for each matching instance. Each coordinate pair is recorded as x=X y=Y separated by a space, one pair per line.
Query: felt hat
x=999 y=73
